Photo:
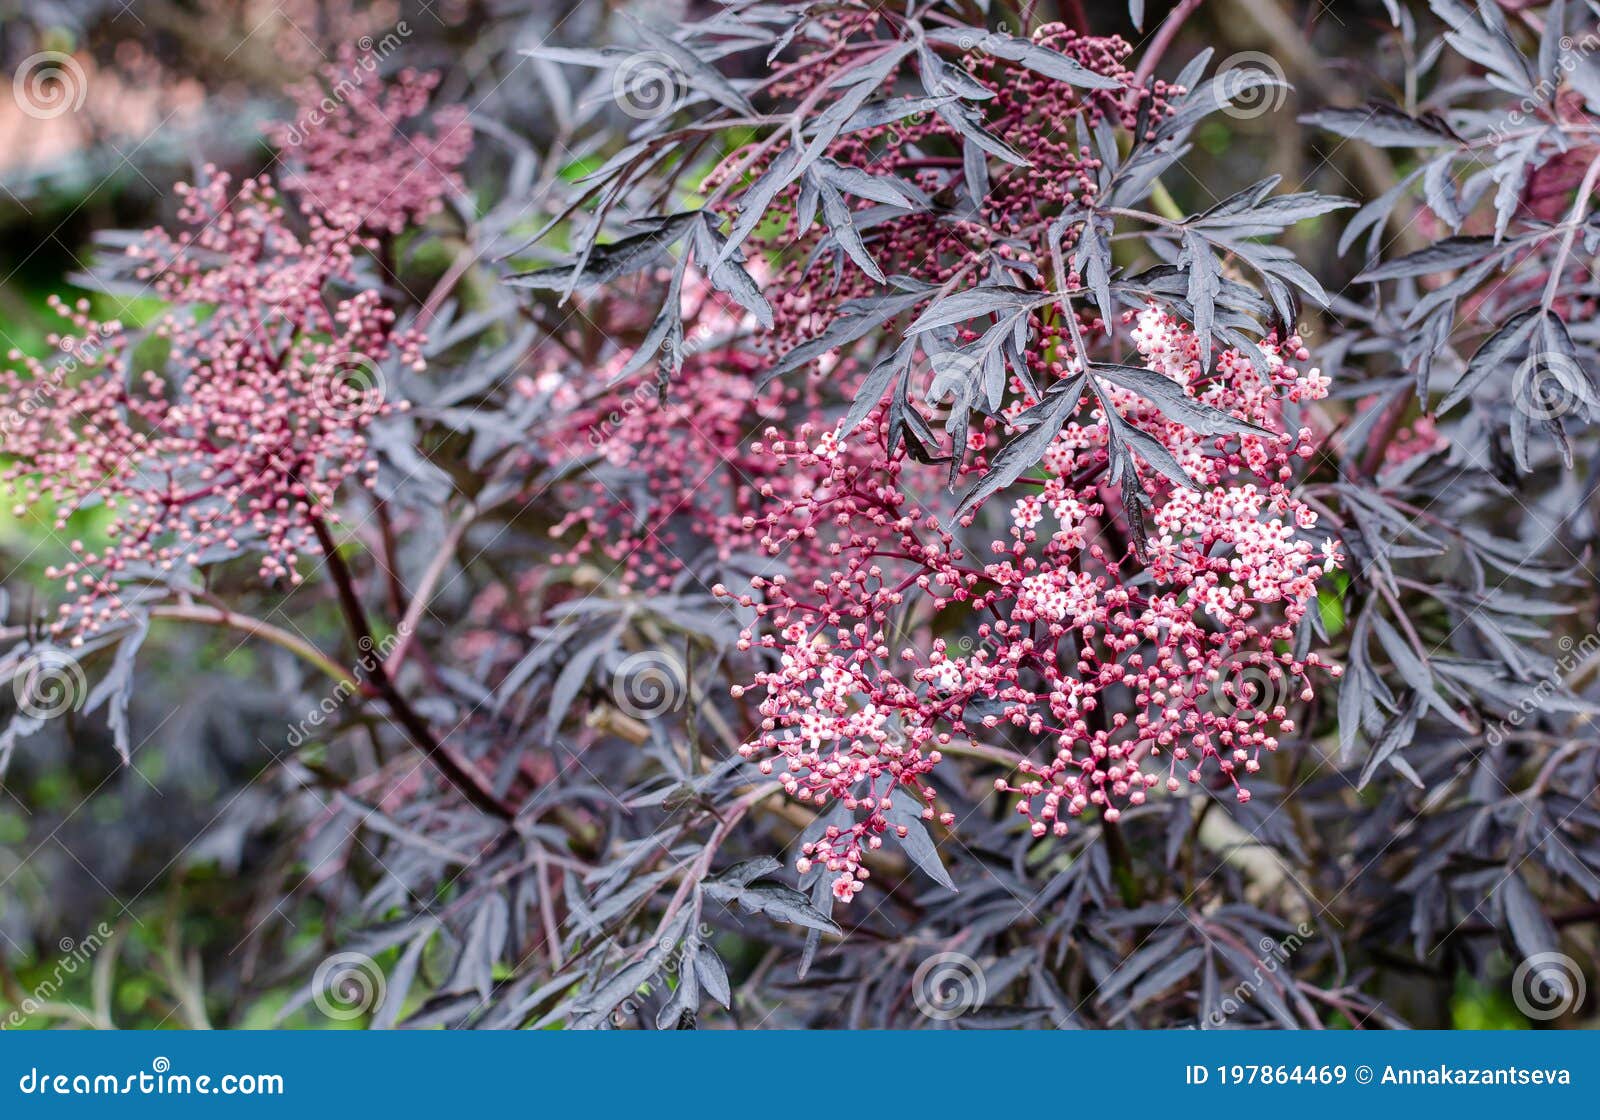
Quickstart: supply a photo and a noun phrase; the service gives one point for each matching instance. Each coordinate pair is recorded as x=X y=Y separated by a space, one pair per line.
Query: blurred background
x=145 y=893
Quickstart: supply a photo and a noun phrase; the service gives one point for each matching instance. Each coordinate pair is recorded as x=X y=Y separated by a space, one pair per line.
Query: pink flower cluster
x=667 y=469
x=1109 y=668
x=229 y=423
x=356 y=155
x=1124 y=670
x=683 y=470
x=671 y=470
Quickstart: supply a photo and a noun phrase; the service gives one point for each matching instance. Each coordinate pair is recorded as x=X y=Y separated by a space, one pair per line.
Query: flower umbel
x=1128 y=670
x=229 y=424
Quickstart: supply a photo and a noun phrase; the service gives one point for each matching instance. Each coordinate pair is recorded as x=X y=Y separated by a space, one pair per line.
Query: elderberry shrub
x=846 y=515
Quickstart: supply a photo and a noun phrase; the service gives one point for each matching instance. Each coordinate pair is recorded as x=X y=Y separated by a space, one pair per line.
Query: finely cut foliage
x=865 y=515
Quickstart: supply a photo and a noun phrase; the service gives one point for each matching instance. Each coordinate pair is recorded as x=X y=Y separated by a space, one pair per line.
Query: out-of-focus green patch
x=578 y=168
x=133 y=311
x=772 y=231
x=152 y=764
x=147 y=965
x=1330 y=602
x=1477 y=1006
x=736 y=138
x=1214 y=137
x=107 y=808
x=54 y=790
